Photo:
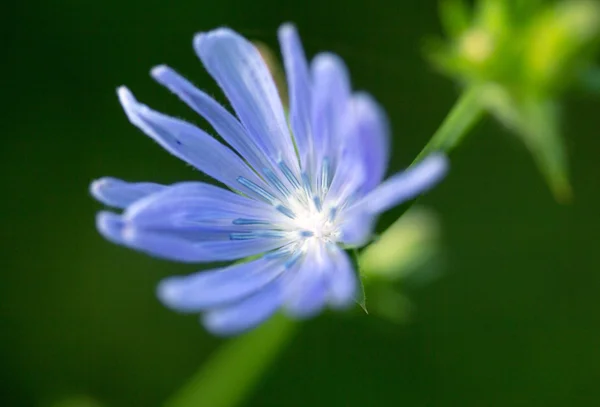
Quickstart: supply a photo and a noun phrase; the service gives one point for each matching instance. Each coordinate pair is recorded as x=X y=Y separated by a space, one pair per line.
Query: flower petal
x=348 y=178
x=225 y=124
x=241 y=72
x=246 y=314
x=331 y=95
x=299 y=88
x=189 y=143
x=110 y=225
x=180 y=243
x=357 y=228
x=341 y=279
x=120 y=194
x=194 y=222
x=197 y=206
x=306 y=293
x=373 y=140
x=172 y=247
x=213 y=288
x=406 y=185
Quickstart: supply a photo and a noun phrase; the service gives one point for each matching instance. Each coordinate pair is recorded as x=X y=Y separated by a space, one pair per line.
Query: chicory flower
x=294 y=193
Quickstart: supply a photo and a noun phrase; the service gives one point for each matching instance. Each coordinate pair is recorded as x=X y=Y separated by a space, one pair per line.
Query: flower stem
x=465 y=113
x=233 y=370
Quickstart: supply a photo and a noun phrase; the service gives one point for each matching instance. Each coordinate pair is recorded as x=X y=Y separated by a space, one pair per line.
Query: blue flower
x=296 y=193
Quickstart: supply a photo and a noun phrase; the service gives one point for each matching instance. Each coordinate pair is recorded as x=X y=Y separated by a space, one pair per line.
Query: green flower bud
x=516 y=59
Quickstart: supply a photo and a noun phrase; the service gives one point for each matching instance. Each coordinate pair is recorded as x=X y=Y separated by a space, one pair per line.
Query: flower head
x=294 y=193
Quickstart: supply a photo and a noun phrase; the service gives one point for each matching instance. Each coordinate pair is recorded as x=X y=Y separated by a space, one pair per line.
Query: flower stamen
x=256 y=189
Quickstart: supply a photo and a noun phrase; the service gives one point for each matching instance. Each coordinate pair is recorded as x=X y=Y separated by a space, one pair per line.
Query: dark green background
x=515 y=320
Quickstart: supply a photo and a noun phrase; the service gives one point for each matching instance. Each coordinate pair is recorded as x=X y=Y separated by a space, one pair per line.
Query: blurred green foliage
x=514 y=321
x=520 y=57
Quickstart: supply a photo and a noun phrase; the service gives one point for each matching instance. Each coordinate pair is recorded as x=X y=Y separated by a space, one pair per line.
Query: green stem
x=465 y=113
x=230 y=374
x=233 y=370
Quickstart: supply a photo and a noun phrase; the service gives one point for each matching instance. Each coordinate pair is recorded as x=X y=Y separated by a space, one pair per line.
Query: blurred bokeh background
x=514 y=320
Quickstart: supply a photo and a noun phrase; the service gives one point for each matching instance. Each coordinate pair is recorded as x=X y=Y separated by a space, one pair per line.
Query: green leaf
x=541 y=134
x=536 y=121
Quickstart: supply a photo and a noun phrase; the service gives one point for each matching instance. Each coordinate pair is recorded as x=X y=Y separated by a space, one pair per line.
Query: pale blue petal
x=299 y=88
x=192 y=222
x=357 y=228
x=188 y=143
x=342 y=280
x=226 y=125
x=110 y=225
x=331 y=96
x=406 y=185
x=173 y=247
x=348 y=178
x=197 y=206
x=246 y=314
x=120 y=194
x=241 y=72
x=373 y=139
x=306 y=294
x=213 y=288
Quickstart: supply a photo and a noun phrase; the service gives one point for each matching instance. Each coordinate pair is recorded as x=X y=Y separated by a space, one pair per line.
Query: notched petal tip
x=173 y=81
x=406 y=185
x=115 y=227
x=120 y=194
x=101 y=188
x=129 y=103
x=160 y=71
x=111 y=226
x=362 y=98
x=426 y=174
x=212 y=324
x=325 y=61
x=436 y=165
x=168 y=77
x=132 y=107
x=287 y=30
x=169 y=292
x=125 y=95
x=367 y=103
x=98 y=186
x=198 y=40
x=203 y=41
x=225 y=324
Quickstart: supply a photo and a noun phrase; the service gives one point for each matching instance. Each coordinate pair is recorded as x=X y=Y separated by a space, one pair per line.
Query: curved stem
x=465 y=113
x=233 y=370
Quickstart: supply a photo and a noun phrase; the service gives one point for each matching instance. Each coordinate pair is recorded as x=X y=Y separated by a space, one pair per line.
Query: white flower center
x=308 y=213
x=311 y=221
